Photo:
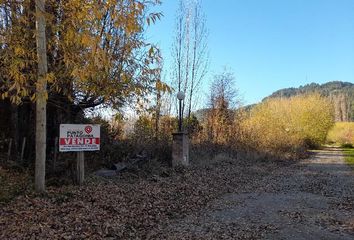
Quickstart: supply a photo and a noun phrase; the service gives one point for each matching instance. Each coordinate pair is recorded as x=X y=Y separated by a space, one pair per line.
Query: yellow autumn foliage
x=342 y=133
x=289 y=125
x=96 y=50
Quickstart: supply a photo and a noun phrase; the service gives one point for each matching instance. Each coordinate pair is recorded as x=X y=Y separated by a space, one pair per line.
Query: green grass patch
x=349 y=156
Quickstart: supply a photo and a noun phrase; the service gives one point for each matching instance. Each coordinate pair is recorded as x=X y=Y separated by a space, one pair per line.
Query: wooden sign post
x=80 y=167
x=79 y=138
x=9 y=151
x=23 y=149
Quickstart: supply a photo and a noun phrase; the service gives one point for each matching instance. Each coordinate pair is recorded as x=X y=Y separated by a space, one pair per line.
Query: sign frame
x=79 y=137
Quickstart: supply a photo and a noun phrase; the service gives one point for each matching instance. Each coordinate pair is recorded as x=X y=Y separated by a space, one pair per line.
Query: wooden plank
x=56 y=141
x=9 y=150
x=23 y=149
x=80 y=168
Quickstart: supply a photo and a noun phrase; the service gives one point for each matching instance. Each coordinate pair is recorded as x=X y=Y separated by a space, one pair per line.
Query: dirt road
x=310 y=200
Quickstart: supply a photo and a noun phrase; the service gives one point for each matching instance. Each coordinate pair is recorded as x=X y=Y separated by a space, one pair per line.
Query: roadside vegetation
x=342 y=134
x=275 y=129
x=290 y=125
x=349 y=156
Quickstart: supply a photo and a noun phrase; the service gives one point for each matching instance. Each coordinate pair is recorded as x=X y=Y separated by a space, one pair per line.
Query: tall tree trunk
x=41 y=93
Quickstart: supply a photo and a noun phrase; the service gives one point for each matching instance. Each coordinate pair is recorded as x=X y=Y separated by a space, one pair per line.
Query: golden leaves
x=93 y=47
x=19 y=50
x=163 y=87
x=4 y=95
x=342 y=133
x=289 y=124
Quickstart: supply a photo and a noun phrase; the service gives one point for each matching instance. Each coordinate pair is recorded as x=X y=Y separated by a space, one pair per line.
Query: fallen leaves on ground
x=12 y=183
x=133 y=206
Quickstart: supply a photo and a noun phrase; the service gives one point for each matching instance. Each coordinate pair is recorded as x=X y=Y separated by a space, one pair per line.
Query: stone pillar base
x=180 y=149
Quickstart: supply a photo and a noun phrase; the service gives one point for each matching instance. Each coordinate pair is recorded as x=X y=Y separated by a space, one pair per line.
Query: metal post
x=180 y=116
x=180 y=97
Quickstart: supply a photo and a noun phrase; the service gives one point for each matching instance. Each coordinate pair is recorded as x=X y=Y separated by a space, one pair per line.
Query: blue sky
x=271 y=44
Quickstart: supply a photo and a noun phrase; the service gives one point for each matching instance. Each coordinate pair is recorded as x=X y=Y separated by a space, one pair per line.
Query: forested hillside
x=340 y=93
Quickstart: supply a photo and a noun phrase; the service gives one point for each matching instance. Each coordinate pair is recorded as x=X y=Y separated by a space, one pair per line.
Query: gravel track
x=313 y=199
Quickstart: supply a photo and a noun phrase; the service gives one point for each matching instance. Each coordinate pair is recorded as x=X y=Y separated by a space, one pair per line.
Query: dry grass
x=342 y=134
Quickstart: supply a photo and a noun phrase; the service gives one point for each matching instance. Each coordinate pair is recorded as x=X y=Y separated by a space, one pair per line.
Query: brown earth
x=223 y=199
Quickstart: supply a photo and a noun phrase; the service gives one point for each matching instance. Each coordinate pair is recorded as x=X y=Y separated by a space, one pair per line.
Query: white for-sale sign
x=79 y=137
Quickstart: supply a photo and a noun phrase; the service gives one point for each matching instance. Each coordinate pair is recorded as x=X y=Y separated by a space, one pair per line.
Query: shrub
x=347 y=145
x=155 y=140
x=342 y=133
x=289 y=125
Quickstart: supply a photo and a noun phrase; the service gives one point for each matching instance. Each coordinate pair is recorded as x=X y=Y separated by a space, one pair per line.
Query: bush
x=342 y=133
x=289 y=125
x=347 y=145
x=154 y=140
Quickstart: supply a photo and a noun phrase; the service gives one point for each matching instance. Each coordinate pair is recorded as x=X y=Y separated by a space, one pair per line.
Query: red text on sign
x=79 y=141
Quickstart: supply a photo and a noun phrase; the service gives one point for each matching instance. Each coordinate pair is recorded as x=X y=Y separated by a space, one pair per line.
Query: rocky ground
x=223 y=199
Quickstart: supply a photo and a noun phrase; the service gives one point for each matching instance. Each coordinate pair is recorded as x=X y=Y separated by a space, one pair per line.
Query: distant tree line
x=341 y=94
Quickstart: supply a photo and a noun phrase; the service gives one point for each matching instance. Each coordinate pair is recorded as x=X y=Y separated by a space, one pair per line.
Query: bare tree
x=178 y=46
x=189 y=51
x=199 y=58
x=223 y=93
x=41 y=94
x=224 y=98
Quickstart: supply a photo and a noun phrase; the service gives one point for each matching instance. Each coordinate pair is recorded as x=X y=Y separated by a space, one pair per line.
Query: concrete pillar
x=180 y=149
